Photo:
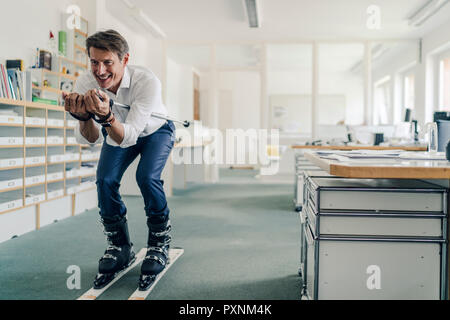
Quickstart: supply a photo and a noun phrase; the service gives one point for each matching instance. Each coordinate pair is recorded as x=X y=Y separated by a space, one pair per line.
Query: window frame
x=440 y=83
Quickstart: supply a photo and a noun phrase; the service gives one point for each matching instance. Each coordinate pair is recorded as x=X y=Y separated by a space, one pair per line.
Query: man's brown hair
x=109 y=40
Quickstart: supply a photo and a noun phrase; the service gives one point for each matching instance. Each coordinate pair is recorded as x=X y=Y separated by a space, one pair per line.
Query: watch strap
x=107 y=124
x=80 y=118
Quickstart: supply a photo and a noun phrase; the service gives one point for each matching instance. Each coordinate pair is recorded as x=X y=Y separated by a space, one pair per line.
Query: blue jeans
x=154 y=150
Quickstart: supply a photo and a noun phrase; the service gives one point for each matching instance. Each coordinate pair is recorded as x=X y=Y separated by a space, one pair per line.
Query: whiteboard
x=291 y=113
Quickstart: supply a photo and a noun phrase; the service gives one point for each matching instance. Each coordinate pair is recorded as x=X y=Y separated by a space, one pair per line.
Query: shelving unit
x=45 y=175
x=40 y=159
x=51 y=84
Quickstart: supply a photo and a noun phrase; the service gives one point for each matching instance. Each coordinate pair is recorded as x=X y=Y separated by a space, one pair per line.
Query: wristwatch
x=108 y=123
x=80 y=118
x=103 y=119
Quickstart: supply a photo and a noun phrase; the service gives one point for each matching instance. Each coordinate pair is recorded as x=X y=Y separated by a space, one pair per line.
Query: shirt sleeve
x=82 y=140
x=82 y=88
x=146 y=98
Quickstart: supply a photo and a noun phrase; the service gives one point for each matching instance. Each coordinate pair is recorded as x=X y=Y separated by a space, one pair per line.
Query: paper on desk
x=362 y=154
x=378 y=154
x=423 y=156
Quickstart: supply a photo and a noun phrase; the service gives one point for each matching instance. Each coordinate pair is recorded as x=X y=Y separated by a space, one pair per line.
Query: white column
x=264 y=97
x=368 y=83
x=315 y=89
x=164 y=71
x=213 y=105
x=167 y=174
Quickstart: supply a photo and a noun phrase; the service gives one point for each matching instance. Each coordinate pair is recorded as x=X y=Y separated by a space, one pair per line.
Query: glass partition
x=289 y=88
x=340 y=99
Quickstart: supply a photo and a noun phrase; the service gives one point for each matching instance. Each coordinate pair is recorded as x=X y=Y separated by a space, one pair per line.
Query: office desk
x=385 y=169
x=305 y=164
x=189 y=164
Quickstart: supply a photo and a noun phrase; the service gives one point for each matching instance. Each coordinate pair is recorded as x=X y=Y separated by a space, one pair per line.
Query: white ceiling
x=224 y=20
x=207 y=21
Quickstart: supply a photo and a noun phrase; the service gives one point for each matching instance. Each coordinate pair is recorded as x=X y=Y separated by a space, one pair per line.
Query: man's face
x=107 y=68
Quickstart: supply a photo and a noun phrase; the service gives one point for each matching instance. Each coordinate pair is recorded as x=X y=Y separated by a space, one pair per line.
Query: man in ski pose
x=126 y=133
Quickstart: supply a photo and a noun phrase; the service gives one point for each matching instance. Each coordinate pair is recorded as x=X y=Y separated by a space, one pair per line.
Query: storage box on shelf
x=355 y=226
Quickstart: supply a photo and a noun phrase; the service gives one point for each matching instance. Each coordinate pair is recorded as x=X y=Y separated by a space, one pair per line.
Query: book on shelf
x=14 y=64
x=15 y=84
x=4 y=83
x=11 y=89
x=45 y=101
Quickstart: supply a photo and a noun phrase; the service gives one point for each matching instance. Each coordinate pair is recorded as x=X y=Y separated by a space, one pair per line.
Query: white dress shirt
x=141 y=90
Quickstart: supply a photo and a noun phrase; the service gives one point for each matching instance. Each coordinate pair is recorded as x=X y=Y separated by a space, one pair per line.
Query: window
x=444 y=84
x=408 y=91
x=382 y=101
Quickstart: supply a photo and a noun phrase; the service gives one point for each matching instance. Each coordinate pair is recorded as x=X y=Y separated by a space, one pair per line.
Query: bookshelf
x=49 y=84
x=76 y=46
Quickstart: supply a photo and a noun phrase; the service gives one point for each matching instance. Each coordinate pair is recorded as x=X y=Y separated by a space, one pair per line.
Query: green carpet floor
x=241 y=241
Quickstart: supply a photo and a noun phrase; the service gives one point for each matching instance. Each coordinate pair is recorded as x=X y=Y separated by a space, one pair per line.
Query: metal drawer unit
x=305 y=175
x=298 y=191
x=376 y=195
x=301 y=164
x=378 y=248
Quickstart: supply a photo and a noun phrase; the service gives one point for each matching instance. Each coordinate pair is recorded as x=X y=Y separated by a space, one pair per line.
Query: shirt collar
x=125 y=83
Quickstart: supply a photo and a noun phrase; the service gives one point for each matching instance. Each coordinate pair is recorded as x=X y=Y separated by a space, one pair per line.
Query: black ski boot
x=118 y=255
x=157 y=256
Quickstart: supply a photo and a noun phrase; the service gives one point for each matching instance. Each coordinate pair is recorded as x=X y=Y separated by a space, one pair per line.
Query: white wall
x=205 y=110
x=180 y=90
x=25 y=26
x=245 y=108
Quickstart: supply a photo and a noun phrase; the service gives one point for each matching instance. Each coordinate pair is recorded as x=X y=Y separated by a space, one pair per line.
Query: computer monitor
x=441 y=115
x=443 y=134
x=407 y=115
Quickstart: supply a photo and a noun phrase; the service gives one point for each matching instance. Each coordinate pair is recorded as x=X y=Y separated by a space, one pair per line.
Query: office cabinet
x=356 y=268
x=303 y=215
x=384 y=224
x=376 y=194
x=373 y=239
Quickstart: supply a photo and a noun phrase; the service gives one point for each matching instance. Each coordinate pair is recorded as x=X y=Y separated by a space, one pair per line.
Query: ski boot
x=157 y=256
x=119 y=254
